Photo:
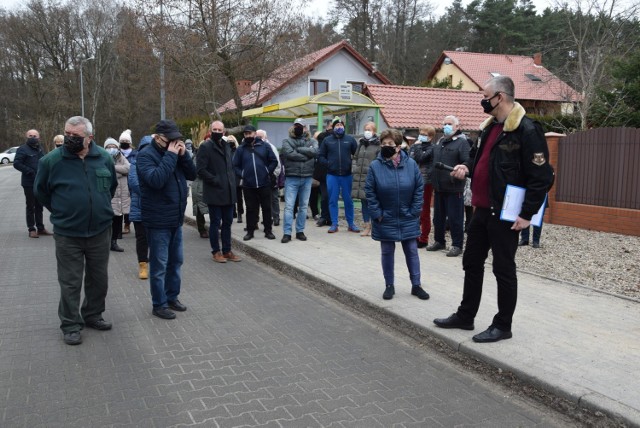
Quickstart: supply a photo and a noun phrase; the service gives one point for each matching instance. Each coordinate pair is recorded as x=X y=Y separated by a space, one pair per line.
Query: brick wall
x=604 y=219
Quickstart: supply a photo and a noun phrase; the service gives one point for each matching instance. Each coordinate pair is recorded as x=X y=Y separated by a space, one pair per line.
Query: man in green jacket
x=76 y=184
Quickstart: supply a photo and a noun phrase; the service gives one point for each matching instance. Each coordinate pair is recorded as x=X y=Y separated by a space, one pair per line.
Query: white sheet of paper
x=512 y=205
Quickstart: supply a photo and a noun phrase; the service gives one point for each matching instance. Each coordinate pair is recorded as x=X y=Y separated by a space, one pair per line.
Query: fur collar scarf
x=513 y=120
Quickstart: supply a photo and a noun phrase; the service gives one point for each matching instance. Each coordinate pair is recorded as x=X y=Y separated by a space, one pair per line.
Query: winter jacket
x=215 y=168
x=77 y=191
x=336 y=154
x=135 y=213
x=299 y=155
x=26 y=161
x=519 y=157
x=394 y=195
x=366 y=153
x=163 y=179
x=450 y=151
x=121 y=202
x=255 y=163
x=422 y=153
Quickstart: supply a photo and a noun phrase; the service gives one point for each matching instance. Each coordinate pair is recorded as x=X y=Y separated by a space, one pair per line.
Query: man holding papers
x=511 y=150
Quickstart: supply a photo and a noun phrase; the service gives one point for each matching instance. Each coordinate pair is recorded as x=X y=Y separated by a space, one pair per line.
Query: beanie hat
x=335 y=121
x=125 y=136
x=111 y=141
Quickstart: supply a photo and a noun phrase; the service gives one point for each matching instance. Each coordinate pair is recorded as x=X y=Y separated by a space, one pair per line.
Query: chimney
x=243 y=86
x=537 y=58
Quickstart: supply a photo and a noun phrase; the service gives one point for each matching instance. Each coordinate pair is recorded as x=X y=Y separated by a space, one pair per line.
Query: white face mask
x=368 y=135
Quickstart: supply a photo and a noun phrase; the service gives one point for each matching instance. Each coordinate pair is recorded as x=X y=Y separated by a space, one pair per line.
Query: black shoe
x=248 y=236
x=285 y=239
x=269 y=235
x=419 y=293
x=98 y=324
x=492 y=334
x=536 y=245
x=239 y=218
x=72 y=338
x=436 y=246
x=454 y=252
x=177 y=306
x=389 y=292
x=453 y=322
x=422 y=244
x=523 y=243
x=276 y=222
x=163 y=313
x=116 y=247
x=323 y=222
x=301 y=236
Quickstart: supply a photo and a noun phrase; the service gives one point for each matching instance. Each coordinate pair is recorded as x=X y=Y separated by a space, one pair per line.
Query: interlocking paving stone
x=253 y=349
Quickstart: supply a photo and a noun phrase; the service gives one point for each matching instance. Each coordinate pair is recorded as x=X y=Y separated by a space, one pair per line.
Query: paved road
x=253 y=349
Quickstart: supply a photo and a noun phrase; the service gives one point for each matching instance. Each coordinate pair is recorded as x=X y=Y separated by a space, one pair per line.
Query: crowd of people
x=394 y=178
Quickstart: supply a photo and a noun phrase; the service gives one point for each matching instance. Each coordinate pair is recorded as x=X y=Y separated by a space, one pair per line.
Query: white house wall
x=340 y=68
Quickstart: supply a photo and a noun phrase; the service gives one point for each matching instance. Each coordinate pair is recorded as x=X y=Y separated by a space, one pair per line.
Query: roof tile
x=410 y=106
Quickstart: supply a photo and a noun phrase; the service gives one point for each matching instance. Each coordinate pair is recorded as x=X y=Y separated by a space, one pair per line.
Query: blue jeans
x=340 y=185
x=219 y=214
x=165 y=260
x=448 y=205
x=410 y=248
x=366 y=217
x=300 y=188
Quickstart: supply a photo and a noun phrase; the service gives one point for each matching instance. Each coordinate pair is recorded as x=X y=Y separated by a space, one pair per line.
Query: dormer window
x=494 y=74
x=533 y=77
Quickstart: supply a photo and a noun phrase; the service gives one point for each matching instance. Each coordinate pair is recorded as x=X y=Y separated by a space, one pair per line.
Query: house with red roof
x=408 y=107
x=273 y=104
x=537 y=89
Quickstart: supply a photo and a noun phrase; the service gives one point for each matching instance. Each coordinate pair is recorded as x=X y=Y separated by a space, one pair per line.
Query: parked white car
x=8 y=155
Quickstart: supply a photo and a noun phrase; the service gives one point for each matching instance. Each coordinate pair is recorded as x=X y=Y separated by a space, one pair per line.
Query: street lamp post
x=82 y=84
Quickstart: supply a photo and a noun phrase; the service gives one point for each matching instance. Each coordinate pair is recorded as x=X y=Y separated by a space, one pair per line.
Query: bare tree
x=597 y=33
x=232 y=40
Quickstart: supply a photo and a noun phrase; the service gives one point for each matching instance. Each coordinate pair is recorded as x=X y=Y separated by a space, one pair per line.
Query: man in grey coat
x=299 y=153
x=214 y=163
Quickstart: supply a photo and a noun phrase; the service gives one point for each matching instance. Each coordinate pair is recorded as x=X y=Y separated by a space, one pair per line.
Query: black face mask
x=298 y=131
x=124 y=146
x=216 y=136
x=486 y=104
x=33 y=142
x=249 y=140
x=387 y=151
x=74 y=144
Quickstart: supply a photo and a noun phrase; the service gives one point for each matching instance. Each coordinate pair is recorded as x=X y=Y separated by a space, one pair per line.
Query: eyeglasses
x=491 y=97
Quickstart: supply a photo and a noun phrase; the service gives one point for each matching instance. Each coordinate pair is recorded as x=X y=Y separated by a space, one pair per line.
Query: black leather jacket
x=520 y=157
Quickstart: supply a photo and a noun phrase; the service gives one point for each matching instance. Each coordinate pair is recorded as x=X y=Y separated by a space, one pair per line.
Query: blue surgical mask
x=448 y=130
x=339 y=132
x=423 y=138
x=112 y=151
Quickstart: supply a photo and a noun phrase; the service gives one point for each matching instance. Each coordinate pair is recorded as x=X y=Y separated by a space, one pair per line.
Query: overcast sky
x=319 y=7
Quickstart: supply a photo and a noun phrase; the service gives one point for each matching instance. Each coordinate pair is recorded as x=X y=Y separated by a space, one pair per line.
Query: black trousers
x=142 y=247
x=240 y=205
x=257 y=199
x=488 y=232
x=116 y=224
x=34 y=210
x=313 y=200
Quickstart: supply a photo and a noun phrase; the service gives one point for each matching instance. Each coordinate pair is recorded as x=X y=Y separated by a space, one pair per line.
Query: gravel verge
x=603 y=261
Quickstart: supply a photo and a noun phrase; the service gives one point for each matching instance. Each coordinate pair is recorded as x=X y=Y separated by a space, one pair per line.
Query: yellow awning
x=327 y=103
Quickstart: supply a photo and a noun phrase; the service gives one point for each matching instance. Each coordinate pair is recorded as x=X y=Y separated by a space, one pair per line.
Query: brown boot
x=366 y=230
x=218 y=257
x=126 y=229
x=143 y=270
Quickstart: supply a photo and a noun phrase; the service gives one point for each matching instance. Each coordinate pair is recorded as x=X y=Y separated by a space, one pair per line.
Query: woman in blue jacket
x=394 y=189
